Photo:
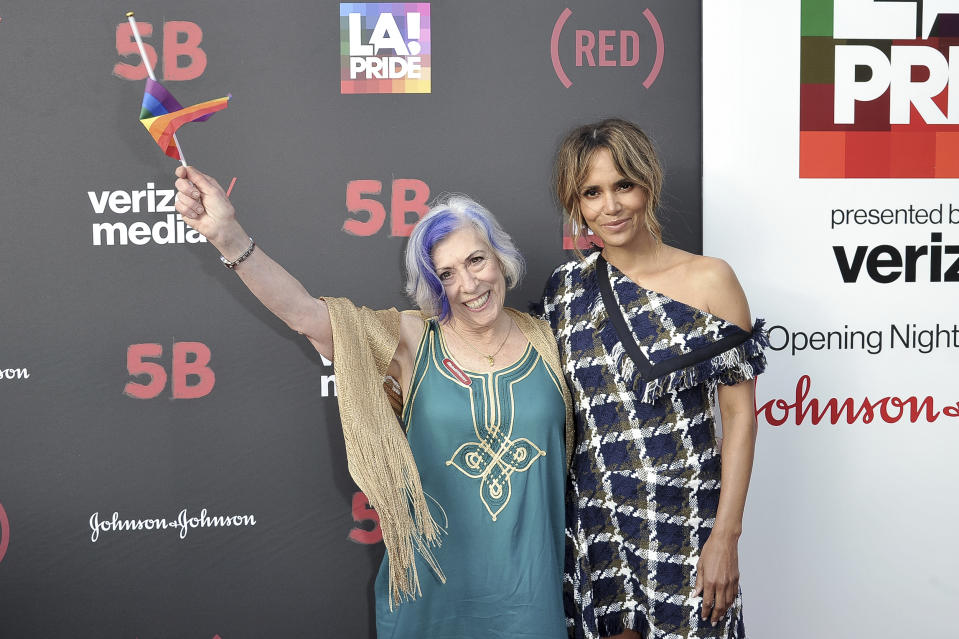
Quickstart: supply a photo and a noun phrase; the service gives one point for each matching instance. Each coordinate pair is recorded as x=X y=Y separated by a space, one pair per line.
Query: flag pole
x=146 y=63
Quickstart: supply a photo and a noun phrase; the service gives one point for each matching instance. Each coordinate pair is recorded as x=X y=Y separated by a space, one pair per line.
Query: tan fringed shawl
x=377 y=453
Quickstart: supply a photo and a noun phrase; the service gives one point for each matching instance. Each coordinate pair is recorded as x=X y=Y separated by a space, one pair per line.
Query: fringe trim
x=377 y=452
x=738 y=364
x=408 y=527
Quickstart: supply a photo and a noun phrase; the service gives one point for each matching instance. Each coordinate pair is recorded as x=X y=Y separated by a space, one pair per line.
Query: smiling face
x=613 y=207
x=472 y=278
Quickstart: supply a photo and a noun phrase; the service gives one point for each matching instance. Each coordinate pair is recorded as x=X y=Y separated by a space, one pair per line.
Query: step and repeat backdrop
x=831 y=148
x=171 y=461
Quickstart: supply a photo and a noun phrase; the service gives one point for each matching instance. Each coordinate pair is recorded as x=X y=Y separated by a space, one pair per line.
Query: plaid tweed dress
x=644 y=486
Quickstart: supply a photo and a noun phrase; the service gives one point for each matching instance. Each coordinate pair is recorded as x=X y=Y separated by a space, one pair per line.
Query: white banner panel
x=852 y=510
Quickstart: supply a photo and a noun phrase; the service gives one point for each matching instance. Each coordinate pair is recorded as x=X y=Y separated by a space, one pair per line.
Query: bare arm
x=718 y=572
x=205 y=207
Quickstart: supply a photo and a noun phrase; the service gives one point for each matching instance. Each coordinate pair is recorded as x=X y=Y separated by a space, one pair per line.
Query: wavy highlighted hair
x=633 y=155
x=448 y=214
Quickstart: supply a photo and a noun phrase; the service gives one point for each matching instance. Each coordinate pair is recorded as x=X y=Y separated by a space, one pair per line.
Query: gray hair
x=450 y=213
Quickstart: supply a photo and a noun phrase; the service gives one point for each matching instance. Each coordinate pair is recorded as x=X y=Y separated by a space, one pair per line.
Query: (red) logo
x=4 y=532
x=606 y=48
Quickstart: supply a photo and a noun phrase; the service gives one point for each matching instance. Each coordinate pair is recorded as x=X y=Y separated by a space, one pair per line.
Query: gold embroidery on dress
x=495 y=457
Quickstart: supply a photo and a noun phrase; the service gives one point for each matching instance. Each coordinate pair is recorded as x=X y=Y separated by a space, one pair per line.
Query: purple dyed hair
x=449 y=214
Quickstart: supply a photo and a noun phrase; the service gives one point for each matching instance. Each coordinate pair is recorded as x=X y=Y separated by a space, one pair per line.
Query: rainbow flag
x=162 y=115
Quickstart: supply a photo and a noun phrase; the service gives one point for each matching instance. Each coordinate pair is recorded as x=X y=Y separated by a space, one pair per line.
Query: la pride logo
x=385 y=47
x=875 y=84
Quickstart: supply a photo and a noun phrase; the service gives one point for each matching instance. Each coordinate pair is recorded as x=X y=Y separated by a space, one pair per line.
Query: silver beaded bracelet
x=232 y=265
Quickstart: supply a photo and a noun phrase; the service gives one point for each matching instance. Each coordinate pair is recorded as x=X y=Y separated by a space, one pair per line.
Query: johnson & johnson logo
x=890 y=409
x=14 y=373
x=182 y=523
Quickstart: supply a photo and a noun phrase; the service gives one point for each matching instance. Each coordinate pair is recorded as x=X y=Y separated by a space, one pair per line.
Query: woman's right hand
x=204 y=207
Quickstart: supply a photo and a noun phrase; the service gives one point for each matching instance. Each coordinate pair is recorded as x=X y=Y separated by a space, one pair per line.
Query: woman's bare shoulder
x=722 y=291
x=412 y=325
x=713 y=271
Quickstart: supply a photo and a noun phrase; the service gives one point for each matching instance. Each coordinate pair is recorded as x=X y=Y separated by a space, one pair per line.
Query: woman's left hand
x=717 y=575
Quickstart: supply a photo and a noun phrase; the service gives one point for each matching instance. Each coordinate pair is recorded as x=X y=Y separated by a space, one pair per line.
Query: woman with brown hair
x=648 y=336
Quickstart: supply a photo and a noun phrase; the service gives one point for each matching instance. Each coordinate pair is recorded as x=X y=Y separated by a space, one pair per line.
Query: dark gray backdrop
x=264 y=441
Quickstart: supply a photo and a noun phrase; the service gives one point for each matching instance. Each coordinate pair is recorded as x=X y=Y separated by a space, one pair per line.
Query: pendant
x=490 y=358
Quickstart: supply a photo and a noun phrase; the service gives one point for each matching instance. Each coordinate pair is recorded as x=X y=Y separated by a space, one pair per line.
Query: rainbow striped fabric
x=162 y=115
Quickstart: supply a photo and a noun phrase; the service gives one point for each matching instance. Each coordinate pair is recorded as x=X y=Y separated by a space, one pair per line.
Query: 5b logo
x=181 y=44
x=406 y=197
x=363 y=511
x=189 y=369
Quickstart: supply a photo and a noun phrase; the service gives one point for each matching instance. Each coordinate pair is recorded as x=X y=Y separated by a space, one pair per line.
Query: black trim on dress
x=647 y=370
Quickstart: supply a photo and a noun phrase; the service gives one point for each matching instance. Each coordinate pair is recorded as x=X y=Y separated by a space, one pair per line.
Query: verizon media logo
x=143 y=216
x=327 y=382
x=181 y=524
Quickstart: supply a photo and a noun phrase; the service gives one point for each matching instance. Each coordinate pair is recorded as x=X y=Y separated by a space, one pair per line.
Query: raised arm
x=205 y=207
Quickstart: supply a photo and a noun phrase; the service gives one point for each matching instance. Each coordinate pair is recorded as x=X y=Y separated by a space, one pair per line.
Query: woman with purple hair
x=479 y=455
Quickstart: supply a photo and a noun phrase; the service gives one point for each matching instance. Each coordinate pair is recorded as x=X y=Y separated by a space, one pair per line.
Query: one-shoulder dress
x=644 y=485
x=490 y=450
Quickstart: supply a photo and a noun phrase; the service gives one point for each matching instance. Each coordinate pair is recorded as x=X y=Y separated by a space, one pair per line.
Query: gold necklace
x=489 y=357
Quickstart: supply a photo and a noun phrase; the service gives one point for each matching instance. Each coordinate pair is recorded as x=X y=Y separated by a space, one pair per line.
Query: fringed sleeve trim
x=738 y=364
